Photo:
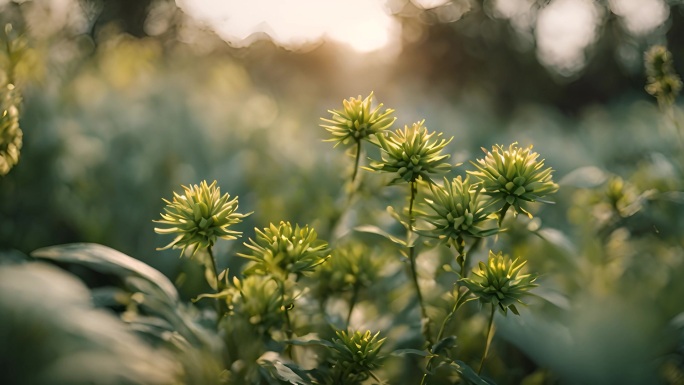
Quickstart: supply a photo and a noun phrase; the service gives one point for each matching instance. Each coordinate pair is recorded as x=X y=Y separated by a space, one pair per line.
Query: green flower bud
x=356 y=121
x=410 y=154
x=354 y=356
x=351 y=265
x=259 y=302
x=500 y=283
x=457 y=209
x=199 y=217
x=282 y=250
x=661 y=79
x=514 y=176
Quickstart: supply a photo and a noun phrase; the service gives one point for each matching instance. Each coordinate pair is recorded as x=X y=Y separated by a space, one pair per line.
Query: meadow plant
x=284 y=314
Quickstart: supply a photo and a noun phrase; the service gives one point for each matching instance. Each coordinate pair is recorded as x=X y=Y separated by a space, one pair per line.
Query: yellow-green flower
x=11 y=135
x=199 y=217
x=514 y=176
x=356 y=121
x=500 y=283
x=411 y=153
x=351 y=265
x=259 y=301
x=661 y=79
x=354 y=356
x=457 y=210
x=282 y=250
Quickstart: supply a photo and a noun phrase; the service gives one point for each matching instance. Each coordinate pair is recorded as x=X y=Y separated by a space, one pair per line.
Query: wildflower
x=662 y=80
x=356 y=121
x=282 y=250
x=410 y=154
x=259 y=300
x=10 y=133
x=354 y=356
x=514 y=176
x=458 y=209
x=351 y=265
x=498 y=282
x=200 y=217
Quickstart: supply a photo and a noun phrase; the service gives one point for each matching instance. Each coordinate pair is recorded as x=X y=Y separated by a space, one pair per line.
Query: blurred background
x=124 y=101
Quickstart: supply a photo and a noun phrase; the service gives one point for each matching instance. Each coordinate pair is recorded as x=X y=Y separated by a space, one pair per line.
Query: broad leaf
x=107 y=260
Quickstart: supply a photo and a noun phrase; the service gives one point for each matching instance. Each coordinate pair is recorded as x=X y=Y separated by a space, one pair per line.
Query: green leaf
x=378 y=231
x=107 y=260
x=271 y=362
x=403 y=352
x=445 y=343
x=325 y=343
x=469 y=375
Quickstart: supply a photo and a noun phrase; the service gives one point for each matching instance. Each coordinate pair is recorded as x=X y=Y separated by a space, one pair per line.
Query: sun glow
x=365 y=25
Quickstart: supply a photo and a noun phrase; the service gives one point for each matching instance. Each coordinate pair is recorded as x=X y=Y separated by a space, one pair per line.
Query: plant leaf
x=468 y=374
x=403 y=352
x=107 y=260
x=378 y=231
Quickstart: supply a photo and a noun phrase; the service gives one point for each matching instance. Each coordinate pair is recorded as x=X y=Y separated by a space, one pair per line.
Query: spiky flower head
x=514 y=176
x=199 y=217
x=661 y=79
x=411 y=153
x=500 y=283
x=354 y=356
x=458 y=209
x=259 y=301
x=11 y=135
x=351 y=265
x=356 y=121
x=283 y=250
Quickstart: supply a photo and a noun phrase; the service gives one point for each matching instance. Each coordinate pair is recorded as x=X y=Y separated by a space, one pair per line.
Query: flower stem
x=460 y=300
x=490 y=336
x=220 y=304
x=502 y=213
x=356 y=163
x=412 y=260
x=352 y=302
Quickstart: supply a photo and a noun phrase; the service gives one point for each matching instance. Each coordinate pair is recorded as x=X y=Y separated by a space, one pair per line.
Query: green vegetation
x=360 y=252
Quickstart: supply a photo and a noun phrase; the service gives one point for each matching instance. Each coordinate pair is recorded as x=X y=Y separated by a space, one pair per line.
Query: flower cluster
x=410 y=153
x=283 y=250
x=458 y=209
x=356 y=121
x=498 y=282
x=10 y=132
x=199 y=217
x=514 y=176
x=661 y=79
x=354 y=356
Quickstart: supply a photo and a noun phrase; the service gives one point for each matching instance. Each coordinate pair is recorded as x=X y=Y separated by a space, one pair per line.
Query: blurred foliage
x=123 y=101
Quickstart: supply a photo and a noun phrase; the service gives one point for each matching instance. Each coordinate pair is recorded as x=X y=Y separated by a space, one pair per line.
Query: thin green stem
x=288 y=323
x=460 y=300
x=502 y=213
x=356 y=163
x=220 y=303
x=350 y=191
x=466 y=255
x=352 y=302
x=412 y=260
x=490 y=336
